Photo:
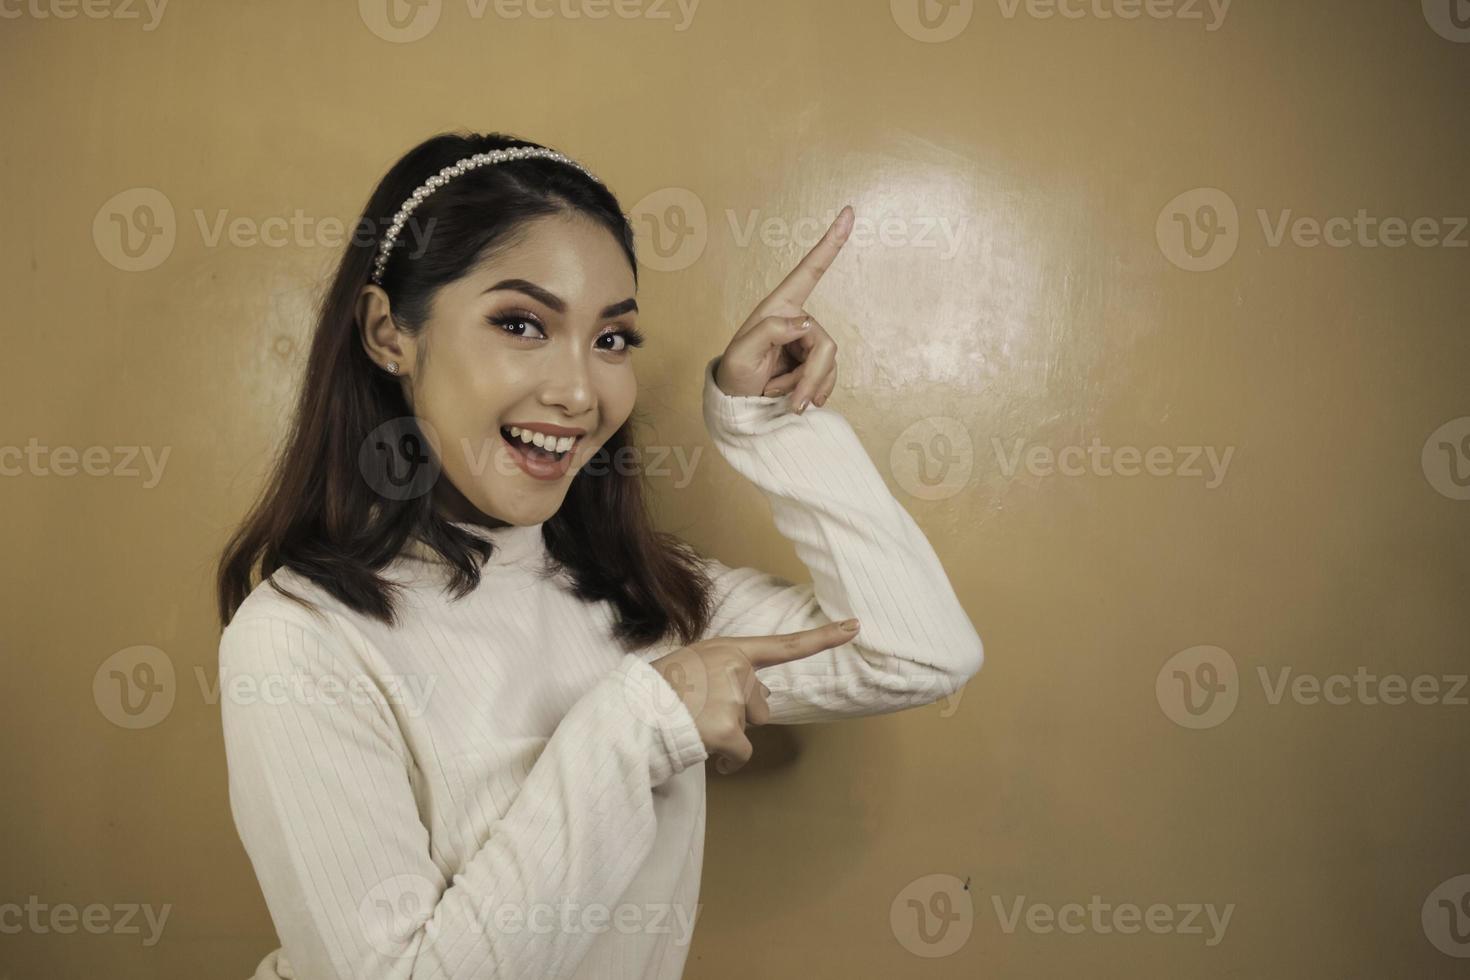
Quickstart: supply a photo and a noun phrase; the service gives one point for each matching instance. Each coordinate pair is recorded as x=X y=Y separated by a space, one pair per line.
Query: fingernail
x=802 y=407
x=850 y=625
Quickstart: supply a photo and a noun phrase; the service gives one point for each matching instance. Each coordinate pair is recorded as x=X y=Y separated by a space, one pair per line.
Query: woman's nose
x=569 y=386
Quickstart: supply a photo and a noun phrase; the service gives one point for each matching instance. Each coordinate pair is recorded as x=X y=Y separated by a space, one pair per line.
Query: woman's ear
x=380 y=336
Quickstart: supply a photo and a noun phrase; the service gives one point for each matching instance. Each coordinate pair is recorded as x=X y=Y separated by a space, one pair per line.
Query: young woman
x=464 y=706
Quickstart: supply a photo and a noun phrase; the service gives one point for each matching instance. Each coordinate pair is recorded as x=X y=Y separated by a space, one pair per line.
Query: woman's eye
x=631 y=338
x=507 y=323
x=517 y=325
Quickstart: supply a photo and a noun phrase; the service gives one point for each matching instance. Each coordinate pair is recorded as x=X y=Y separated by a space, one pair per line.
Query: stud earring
x=392 y=367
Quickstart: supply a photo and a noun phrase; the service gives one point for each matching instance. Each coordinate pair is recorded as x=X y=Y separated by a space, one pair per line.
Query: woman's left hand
x=772 y=352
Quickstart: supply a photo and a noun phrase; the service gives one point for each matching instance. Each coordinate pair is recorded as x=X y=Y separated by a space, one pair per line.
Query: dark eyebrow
x=554 y=301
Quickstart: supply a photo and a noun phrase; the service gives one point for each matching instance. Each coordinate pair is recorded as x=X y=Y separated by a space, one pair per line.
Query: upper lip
x=547 y=429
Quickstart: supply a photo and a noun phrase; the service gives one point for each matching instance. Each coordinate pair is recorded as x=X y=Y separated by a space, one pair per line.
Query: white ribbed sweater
x=492 y=788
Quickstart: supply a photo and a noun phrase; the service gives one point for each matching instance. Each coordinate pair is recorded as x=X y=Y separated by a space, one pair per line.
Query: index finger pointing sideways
x=767 y=651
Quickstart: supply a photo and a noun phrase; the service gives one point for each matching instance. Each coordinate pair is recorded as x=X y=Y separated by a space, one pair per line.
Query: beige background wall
x=1031 y=287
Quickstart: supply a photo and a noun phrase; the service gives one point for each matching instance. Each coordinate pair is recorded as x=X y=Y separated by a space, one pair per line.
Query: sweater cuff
x=654 y=701
x=746 y=414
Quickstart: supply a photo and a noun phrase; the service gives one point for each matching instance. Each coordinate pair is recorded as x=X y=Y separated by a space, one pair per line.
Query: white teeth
x=551 y=444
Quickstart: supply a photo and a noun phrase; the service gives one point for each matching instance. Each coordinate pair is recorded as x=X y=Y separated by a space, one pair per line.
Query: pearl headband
x=454 y=170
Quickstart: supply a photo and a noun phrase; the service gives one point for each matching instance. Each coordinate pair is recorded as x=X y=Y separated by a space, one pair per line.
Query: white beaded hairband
x=454 y=170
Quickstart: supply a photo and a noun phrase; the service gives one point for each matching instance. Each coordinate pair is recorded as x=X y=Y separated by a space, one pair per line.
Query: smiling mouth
x=536 y=452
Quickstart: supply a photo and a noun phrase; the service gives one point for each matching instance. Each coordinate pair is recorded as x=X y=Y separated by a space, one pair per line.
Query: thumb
x=778 y=331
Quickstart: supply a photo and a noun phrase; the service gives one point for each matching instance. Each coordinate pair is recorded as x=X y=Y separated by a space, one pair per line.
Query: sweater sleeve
x=320 y=784
x=867 y=559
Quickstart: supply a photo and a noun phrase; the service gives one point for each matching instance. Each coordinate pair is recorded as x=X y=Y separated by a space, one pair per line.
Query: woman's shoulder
x=287 y=598
x=289 y=624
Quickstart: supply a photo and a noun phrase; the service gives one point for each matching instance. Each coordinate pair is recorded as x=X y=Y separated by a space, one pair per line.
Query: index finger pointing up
x=799 y=283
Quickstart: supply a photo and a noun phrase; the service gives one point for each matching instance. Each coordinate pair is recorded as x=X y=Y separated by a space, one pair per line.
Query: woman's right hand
x=716 y=680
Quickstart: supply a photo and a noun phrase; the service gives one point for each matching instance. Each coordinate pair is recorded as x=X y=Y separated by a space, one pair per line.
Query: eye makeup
x=632 y=336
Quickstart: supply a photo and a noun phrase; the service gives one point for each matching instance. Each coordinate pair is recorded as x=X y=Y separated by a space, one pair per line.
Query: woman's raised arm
x=867 y=557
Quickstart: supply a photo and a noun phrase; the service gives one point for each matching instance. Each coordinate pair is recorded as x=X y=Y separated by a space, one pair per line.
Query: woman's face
x=532 y=338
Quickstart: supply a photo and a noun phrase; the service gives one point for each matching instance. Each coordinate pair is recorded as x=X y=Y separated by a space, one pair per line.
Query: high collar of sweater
x=513 y=543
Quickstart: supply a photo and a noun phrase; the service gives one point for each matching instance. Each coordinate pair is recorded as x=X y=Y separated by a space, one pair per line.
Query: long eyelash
x=505 y=319
x=632 y=336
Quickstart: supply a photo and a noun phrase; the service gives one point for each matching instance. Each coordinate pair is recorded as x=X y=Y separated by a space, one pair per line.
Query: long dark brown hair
x=318 y=515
